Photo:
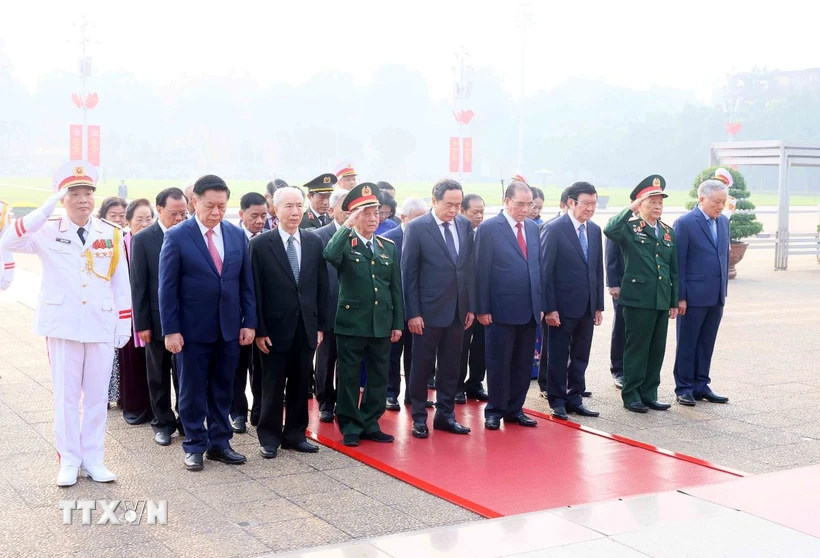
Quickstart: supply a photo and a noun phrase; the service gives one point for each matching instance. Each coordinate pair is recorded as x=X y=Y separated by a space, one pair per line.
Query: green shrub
x=743 y=222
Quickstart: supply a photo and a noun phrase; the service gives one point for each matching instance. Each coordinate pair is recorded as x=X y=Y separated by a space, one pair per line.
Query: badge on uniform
x=353 y=242
x=384 y=256
x=667 y=238
x=63 y=240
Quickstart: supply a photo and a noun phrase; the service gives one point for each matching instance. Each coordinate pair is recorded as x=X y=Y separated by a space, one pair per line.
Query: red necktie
x=521 y=242
x=213 y=251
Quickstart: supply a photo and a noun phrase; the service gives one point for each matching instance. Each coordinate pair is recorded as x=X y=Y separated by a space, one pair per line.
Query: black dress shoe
x=431 y=383
x=479 y=395
x=657 y=405
x=492 y=423
x=326 y=416
x=460 y=398
x=560 y=413
x=618 y=381
x=227 y=456
x=377 y=436
x=392 y=404
x=636 y=407
x=350 y=440
x=712 y=397
x=193 y=461
x=239 y=425
x=582 y=410
x=420 y=430
x=268 y=452
x=450 y=425
x=686 y=399
x=301 y=447
x=162 y=438
x=522 y=419
x=586 y=394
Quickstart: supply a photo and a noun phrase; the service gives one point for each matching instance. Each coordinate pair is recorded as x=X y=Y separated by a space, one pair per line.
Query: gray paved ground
x=767 y=363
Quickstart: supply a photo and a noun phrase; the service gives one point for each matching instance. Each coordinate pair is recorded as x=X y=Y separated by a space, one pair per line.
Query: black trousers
x=569 y=346
x=509 y=367
x=404 y=348
x=249 y=365
x=543 y=363
x=161 y=369
x=326 y=372
x=616 y=347
x=442 y=345
x=472 y=354
x=278 y=368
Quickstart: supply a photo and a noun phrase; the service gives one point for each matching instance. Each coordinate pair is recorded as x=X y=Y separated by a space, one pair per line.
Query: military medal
x=667 y=238
x=385 y=256
x=113 y=253
x=353 y=242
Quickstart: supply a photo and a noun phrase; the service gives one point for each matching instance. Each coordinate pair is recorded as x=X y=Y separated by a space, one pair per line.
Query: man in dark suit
x=208 y=309
x=290 y=276
x=410 y=209
x=160 y=363
x=271 y=221
x=572 y=269
x=319 y=190
x=326 y=351
x=252 y=215
x=437 y=280
x=703 y=265
x=614 y=276
x=509 y=304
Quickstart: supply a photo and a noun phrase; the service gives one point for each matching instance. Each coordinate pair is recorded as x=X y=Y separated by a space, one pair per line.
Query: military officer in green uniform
x=319 y=190
x=369 y=317
x=648 y=292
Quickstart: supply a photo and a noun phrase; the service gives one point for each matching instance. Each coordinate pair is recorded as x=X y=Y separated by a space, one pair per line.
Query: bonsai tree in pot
x=742 y=224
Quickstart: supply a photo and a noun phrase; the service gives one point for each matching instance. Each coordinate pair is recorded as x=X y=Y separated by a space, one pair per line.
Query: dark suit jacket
x=507 y=285
x=326 y=233
x=396 y=234
x=703 y=266
x=573 y=285
x=434 y=285
x=614 y=264
x=280 y=301
x=145 y=249
x=194 y=299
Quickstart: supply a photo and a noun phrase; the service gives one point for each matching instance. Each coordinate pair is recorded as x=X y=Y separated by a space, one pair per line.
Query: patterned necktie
x=582 y=236
x=451 y=243
x=293 y=259
x=81 y=234
x=213 y=251
x=521 y=242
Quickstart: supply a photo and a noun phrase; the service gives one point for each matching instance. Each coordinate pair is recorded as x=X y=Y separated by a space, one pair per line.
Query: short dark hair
x=564 y=196
x=468 y=199
x=579 y=188
x=386 y=186
x=537 y=193
x=274 y=185
x=443 y=185
x=516 y=186
x=210 y=182
x=132 y=207
x=170 y=193
x=109 y=203
x=251 y=198
x=387 y=199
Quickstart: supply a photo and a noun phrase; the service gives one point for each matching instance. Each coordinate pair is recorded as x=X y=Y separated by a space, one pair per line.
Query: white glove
x=5 y=285
x=51 y=203
x=121 y=341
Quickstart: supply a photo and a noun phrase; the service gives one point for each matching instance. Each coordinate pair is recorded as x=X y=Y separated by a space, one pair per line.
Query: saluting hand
x=636 y=205
x=353 y=218
x=246 y=336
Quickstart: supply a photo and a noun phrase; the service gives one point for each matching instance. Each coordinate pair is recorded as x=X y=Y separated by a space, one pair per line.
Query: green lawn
x=33 y=192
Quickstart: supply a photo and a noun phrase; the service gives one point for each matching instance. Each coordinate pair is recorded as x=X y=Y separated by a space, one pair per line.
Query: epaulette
x=54 y=218
x=116 y=226
x=635 y=218
x=310 y=215
x=385 y=239
x=664 y=225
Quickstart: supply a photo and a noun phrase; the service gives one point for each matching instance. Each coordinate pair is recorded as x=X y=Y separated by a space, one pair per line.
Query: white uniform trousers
x=80 y=369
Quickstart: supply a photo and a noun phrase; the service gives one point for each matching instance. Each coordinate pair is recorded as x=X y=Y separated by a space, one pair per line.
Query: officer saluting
x=649 y=291
x=6 y=258
x=369 y=317
x=319 y=190
x=84 y=312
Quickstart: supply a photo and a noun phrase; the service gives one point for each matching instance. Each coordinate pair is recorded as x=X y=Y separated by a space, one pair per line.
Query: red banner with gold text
x=454 y=154
x=75 y=142
x=94 y=145
x=467 y=162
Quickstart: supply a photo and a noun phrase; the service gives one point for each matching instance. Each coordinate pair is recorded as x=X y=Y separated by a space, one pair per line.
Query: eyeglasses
x=522 y=205
x=587 y=204
x=175 y=214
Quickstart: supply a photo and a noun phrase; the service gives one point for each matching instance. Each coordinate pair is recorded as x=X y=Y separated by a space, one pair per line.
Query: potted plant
x=742 y=224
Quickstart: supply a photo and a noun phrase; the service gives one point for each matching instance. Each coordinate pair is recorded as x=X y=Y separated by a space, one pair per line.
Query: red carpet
x=517 y=469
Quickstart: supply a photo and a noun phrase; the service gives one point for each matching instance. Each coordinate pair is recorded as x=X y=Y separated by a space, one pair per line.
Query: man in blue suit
x=572 y=269
x=437 y=279
x=509 y=304
x=207 y=309
x=703 y=264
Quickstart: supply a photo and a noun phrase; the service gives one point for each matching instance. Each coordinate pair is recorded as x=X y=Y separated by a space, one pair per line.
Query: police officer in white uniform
x=84 y=311
x=6 y=257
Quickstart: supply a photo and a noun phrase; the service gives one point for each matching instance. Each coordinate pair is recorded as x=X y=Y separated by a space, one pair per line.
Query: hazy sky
x=689 y=45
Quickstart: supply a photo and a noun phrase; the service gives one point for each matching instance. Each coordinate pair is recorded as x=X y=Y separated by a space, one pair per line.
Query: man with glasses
x=509 y=304
x=572 y=269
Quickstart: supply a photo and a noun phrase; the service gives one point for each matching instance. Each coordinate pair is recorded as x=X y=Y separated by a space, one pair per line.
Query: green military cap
x=365 y=194
x=322 y=184
x=652 y=185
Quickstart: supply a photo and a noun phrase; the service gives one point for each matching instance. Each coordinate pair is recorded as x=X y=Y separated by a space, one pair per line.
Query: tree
x=743 y=222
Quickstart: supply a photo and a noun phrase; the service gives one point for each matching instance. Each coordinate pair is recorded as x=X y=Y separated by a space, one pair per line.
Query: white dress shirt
x=452 y=230
x=162 y=227
x=576 y=224
x=217 y=237
x=297 y=243
x=73 y=227
x=514 y=224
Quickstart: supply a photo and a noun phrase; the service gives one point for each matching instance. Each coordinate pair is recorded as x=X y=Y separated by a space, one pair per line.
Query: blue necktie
x=713 y=228
x=583 y=238
x=293 y=259
x=451 y=243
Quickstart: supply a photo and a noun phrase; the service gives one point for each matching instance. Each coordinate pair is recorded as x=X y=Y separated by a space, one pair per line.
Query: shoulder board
x=110 y=223
x=310 y=215
x=664 y=225
x=636 y=218
x=384 y=238
x=54 y=218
